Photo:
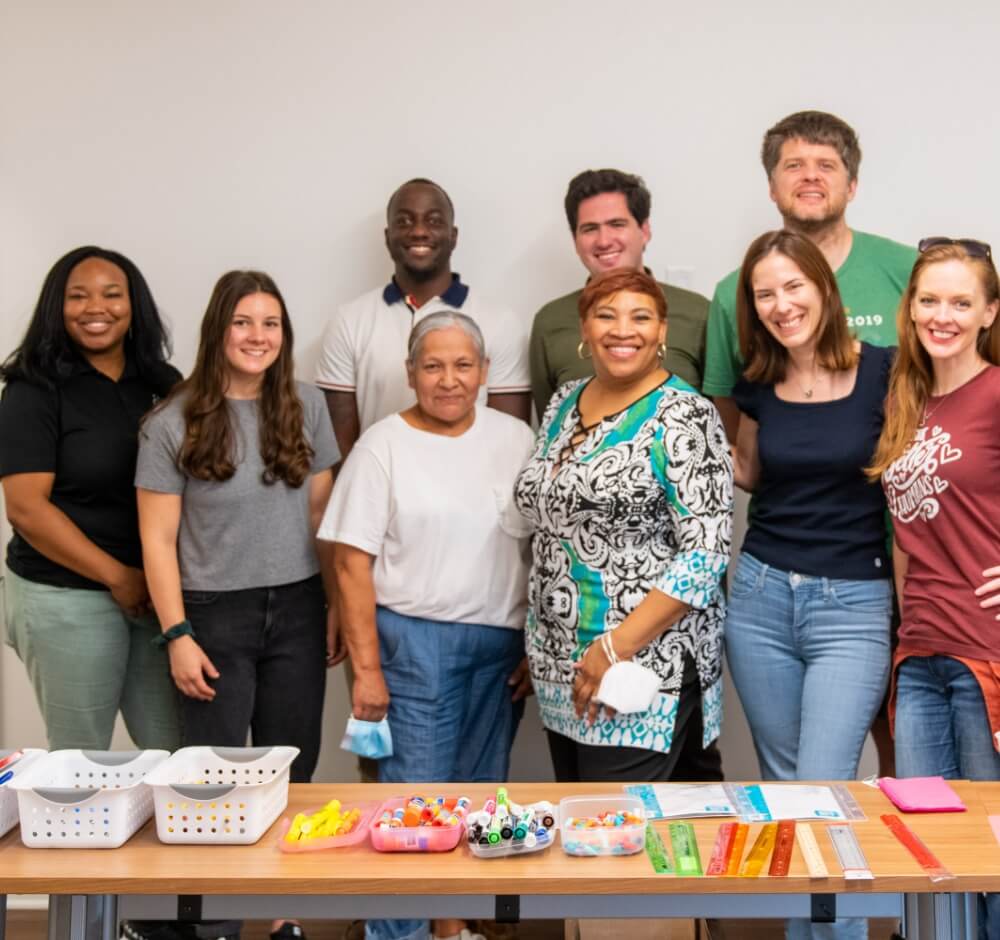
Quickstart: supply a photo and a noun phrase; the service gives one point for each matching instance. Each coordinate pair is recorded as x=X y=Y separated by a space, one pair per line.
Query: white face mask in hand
x=368 y=738
x=626 y=687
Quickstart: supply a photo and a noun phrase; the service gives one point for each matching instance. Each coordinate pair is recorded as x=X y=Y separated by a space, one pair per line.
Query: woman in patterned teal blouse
x=629 y=490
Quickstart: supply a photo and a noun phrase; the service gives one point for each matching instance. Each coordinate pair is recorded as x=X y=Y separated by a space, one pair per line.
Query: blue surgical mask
x=368 y=738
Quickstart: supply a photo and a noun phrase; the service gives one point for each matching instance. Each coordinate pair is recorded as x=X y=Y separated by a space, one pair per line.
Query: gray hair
x=443 y=321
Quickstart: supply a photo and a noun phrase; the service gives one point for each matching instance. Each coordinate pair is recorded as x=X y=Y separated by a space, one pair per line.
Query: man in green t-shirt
x=811 y=159
x=608 y=215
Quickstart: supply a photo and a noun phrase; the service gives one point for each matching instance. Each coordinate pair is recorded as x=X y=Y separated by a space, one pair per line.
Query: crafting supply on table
x=925 y=858
x=602 y=825
x=739 y=844
x=657 y=852
x=852 y=859
x=722 y=850
x=685 y=847
x=503 y=827
x=781 y=856
x=922 y=795
x=316 y=830
x=682 y=800
x=765 y=802
x=753 y=864
x=810 y=851
x=436 y=823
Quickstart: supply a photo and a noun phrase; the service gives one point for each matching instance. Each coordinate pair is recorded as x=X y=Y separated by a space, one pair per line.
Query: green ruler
x=657 y=853
x=685 y=847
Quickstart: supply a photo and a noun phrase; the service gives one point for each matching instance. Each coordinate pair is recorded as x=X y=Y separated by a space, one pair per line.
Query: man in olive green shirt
x=608 y=214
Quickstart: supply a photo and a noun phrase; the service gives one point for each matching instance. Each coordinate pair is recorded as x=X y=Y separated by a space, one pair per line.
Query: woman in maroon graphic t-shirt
x=939 y=460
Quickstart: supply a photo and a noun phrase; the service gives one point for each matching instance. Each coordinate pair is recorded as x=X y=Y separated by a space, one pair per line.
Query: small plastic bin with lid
x=220 y=795
x=13 y=762
x=601 y=840
x=85 y=799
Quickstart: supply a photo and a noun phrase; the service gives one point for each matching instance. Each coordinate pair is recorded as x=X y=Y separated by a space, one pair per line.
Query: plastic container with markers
x=601 y=840
x=412 y=838
x=522 y=846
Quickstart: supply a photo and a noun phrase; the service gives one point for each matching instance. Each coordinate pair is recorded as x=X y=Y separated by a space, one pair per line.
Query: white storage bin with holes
x=85 y=799
x=9 y=761
x=220 y=795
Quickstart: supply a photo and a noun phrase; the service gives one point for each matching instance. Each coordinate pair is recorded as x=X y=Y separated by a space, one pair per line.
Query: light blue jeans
x=942 y=729
x=450 y=712
x=810 y=659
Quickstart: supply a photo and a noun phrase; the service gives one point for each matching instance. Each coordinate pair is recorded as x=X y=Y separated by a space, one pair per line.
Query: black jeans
x=269 y=646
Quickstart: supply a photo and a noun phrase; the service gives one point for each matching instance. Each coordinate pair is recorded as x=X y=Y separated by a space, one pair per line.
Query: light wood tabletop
x=964 y=843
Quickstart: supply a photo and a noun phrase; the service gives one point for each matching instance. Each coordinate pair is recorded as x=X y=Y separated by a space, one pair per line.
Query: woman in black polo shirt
x=92 y=363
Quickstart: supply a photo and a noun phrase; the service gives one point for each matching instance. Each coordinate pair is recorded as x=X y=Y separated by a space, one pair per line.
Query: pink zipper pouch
x=922 y=794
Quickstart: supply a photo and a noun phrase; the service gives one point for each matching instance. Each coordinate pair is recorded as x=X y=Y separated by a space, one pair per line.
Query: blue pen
x=5 y=777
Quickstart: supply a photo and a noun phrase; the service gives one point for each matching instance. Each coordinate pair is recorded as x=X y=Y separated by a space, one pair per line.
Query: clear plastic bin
x=220 y=795
x=413 y=838
x=369 y=810
x=509 y=847
x=8 y=795
x=617 y=840
x=85 y=799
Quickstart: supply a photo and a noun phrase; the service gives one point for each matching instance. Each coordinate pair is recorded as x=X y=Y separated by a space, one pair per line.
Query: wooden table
x=146 y=879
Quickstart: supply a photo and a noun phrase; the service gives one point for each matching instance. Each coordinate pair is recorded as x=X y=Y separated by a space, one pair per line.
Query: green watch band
x=183 y=628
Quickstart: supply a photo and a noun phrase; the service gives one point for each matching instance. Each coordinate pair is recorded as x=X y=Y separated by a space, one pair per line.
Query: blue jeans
x=810 y=659
x=942 y=729
x=450 y=711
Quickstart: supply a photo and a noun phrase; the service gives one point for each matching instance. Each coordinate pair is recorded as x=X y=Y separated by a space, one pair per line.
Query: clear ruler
x=657 y=852
x=850 y=806
x=685 y=846
x=811 y=854
x=760 y=852
x=852 y=859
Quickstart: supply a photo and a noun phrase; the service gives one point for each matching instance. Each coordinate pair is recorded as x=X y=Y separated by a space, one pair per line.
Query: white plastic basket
x=220 y=795
x=8 y=795
x=85 y=799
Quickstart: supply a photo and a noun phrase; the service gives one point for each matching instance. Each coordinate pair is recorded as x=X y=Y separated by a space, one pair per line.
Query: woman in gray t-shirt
x=233 y=476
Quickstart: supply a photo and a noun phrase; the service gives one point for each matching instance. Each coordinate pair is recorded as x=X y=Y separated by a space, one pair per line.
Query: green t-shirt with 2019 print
x=871 y=281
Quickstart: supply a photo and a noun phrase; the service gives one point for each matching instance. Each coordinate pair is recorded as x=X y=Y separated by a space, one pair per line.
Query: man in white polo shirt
x=361 y=366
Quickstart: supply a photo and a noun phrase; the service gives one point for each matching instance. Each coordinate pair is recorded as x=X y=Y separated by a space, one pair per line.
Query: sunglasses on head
x=975 y=248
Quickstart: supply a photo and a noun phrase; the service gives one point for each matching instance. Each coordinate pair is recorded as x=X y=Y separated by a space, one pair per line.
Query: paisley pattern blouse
x=643 y=501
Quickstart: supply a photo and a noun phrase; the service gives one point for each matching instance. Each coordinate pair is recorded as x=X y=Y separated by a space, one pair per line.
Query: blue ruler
x=749 y=802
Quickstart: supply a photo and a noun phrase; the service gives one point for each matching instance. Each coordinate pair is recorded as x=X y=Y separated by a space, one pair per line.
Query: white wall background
x=196 y=137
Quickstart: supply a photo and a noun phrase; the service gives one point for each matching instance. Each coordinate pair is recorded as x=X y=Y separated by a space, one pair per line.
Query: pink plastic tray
x=369 y=811
x=413 y=838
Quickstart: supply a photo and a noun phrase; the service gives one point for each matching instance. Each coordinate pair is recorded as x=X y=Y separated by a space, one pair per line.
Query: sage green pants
x=87 y=660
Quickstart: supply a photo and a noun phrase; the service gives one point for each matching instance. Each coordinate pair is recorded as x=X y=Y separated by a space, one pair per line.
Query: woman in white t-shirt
x=431 y=566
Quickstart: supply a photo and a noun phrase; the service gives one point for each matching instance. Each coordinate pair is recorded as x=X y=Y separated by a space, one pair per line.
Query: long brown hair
x=208 y=450
x=765 y=359
x=912 y=376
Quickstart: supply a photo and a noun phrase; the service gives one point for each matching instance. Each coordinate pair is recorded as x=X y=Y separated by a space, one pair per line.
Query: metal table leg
x=3 y=916
x=83 y=917
x=940 y=917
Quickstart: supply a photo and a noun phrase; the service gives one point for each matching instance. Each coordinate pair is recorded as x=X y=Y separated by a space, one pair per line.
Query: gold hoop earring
x=581 y=346
x=661 y=351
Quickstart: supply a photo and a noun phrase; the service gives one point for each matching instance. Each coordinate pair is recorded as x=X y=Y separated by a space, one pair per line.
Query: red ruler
x=722 y=851
x=925 y=858
x=782 y=855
